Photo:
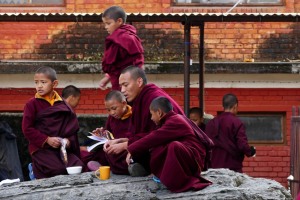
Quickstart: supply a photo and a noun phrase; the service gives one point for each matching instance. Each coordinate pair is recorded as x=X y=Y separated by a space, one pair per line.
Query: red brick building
x=267 y=93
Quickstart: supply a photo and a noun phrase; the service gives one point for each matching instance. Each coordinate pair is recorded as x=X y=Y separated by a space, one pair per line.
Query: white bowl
x=74 y=170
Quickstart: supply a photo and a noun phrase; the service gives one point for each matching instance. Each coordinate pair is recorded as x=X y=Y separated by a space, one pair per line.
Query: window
x=230 y=2
x=32 y=2
x=264 y=127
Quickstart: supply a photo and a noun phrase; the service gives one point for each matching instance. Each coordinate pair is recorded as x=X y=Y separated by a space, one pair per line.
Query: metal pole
x=201 y=67
x=187 y=57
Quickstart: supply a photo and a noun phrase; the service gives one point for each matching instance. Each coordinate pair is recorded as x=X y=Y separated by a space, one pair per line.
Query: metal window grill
x=294 y=178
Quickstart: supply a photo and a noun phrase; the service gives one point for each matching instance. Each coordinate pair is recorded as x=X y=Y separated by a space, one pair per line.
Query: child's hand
x=100 y=132
x=128 y=158
x=104 y=81
x=54 y=142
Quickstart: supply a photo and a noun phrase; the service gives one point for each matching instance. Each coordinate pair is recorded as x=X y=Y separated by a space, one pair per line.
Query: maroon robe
x=122 y=49
x=177 y=154
x=117 y=163
x=141 y=123
x=41 y=120
x=119 y=128
x=231 y=144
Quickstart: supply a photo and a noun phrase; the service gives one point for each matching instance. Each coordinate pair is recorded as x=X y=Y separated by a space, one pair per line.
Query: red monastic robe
x=119 y=129
x=231 y=144
x=41 y=120
x=177 y=154
x=123 y=48
x=141 y=123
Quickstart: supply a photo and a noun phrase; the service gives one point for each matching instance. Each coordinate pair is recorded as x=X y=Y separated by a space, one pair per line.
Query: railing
x=294 y=178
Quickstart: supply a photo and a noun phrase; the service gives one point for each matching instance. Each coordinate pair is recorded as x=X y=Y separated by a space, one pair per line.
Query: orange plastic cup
x=104 y=172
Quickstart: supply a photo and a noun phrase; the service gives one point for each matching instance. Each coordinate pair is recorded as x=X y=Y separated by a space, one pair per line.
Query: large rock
x=226 y=185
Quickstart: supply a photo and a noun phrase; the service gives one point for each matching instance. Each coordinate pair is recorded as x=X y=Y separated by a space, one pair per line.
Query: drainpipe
x=187 y=57
x=201 y=67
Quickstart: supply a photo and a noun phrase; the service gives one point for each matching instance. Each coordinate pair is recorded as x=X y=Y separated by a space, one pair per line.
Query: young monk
x=48 y=122
x=117 y=123
x=177 y=154
x=196 y=115
x=72 y=95
x=228 y=133
x=122 y=47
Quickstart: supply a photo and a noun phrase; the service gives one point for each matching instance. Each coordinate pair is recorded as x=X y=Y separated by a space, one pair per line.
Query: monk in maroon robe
x=228 y=133
x=42 y=120
x=122 y=47
x=139 y=94
x=177 y=153
x=119 y=128
x=117 y=124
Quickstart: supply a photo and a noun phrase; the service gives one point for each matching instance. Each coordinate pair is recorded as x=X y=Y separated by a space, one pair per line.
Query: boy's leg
x=48 y=163
x=176 y=167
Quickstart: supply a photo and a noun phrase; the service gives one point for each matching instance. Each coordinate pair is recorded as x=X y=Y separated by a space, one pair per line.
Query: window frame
x=265 y=113
x=282 y=115
x=63 y=4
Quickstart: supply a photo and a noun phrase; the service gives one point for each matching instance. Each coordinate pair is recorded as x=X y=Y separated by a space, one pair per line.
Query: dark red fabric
x=122 y=49
x=119 y=128
x=117 y=163
x=141 y=123
x=97 y=155
x=231 y=143
x=177 y=154
x=41 y=120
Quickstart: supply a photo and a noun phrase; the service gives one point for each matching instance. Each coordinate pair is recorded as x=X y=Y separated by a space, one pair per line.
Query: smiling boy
x=122 y=47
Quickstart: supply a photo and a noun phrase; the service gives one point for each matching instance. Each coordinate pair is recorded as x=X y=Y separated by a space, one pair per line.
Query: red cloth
x=141 y=123
x=177 y=154
x=231 y=143
x=119 y=128
x=117 y=163
x=41 y=120
x=122 y=49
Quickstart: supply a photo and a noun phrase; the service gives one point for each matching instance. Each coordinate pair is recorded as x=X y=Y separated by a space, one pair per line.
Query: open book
x=101 y=140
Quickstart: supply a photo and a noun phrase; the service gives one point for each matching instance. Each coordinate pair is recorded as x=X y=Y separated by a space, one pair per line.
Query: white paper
x=101 y=140
x=90 y=148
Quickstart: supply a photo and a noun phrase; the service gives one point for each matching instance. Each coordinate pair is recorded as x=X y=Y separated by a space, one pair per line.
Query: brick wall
x=272 y=161
x=162 y=41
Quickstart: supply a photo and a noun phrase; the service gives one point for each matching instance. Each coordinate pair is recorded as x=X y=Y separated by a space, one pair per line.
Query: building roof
x=193 y=18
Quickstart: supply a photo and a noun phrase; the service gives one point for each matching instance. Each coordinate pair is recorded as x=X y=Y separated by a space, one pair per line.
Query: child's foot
x=136 y=169
x=93 y=165
x=31 y=175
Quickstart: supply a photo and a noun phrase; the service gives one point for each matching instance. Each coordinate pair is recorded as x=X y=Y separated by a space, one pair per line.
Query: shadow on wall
x=85 y=42
x=87 y=122
x=281 y=46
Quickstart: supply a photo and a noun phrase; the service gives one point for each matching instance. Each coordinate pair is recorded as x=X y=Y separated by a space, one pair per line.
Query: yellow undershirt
x=55 y=97
x=128 y=113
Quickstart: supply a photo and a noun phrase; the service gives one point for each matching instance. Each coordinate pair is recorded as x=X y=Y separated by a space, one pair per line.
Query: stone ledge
x=226 y=185
x=80 y=67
